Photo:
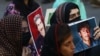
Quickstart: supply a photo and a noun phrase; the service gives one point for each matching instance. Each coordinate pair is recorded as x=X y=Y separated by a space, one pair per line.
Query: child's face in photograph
x=85 y=33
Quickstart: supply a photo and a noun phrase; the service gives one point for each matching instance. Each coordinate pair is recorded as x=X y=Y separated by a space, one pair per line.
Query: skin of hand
x=97 y=32
x=31 y=41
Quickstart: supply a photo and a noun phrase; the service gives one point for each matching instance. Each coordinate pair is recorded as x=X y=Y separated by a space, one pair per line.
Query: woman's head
x=66 y=13
x=64 y=40
x=11 y=34
x=58 y=40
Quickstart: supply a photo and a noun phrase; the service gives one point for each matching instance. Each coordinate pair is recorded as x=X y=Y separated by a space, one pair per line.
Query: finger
x=97 y=35
x=96 y=31
x=96 y=28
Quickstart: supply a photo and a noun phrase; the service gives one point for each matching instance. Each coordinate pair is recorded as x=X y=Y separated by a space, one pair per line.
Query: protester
x=23 y=8
x=78 y=2
x=58 y=41
x=67 y=13
x=11 y=36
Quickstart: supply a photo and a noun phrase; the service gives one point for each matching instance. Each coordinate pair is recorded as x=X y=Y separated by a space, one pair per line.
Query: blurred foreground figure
x=58 y=41
x=10 y=36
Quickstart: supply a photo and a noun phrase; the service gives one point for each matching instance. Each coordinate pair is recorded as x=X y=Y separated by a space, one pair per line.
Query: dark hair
x=83 y=24
x=37 y=17
x=62 y=32
x=54 y=37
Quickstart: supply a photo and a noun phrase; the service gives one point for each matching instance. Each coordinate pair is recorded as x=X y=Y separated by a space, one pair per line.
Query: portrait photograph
x=82 y=32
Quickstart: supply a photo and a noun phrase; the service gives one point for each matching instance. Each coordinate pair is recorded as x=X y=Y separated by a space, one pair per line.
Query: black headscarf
x=54 y=38
x=61 y=15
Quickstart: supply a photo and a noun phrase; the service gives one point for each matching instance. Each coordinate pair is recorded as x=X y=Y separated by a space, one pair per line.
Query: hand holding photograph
x=82 y=32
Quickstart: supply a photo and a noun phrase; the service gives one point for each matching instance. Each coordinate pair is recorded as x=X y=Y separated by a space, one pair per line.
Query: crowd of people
x=17 y=40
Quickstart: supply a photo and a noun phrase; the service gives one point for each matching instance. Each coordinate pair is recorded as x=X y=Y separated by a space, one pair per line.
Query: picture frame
x=48 y=15
x=78 y=39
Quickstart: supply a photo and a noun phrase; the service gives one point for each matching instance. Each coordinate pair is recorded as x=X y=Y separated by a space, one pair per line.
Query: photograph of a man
x=87 y=39
x=40 y=27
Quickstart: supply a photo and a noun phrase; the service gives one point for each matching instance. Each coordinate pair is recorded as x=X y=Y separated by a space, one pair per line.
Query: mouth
x=41 y=29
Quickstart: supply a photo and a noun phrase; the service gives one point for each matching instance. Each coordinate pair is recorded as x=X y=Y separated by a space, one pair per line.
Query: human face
x=67 y=47
x=74 y=14
x=85 y=33
x=40 y=27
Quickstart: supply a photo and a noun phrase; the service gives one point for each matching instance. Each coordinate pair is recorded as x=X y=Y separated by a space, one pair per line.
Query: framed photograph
x=82 y=32
x=49 y=13
x=37 y=28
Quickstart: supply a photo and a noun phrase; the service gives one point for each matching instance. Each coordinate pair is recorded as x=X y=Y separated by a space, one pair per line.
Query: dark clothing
x=94 y=51
x=21 y=9
x=49 y=47
x=11 y=36
x=80 y=46
x=39 y=43
x=25 y=38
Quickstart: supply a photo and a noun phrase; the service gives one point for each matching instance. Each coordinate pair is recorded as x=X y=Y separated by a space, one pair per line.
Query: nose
x=72 y=46
x=77 y=15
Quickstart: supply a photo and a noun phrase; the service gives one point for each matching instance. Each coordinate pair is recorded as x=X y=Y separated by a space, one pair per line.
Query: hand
x=26 y=51
x=31 y=41
x=97 y=32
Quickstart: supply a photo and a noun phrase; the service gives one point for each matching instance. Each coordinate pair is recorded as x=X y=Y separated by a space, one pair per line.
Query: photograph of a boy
x=86 y=37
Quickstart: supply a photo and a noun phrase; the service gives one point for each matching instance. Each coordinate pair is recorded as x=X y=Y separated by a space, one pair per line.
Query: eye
x=67 y=44
x=78 y=13
x=72 y=16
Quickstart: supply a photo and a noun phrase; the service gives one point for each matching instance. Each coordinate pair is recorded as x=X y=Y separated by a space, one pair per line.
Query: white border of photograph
x=70 y=24
x=48 y=11
x=75 y=34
